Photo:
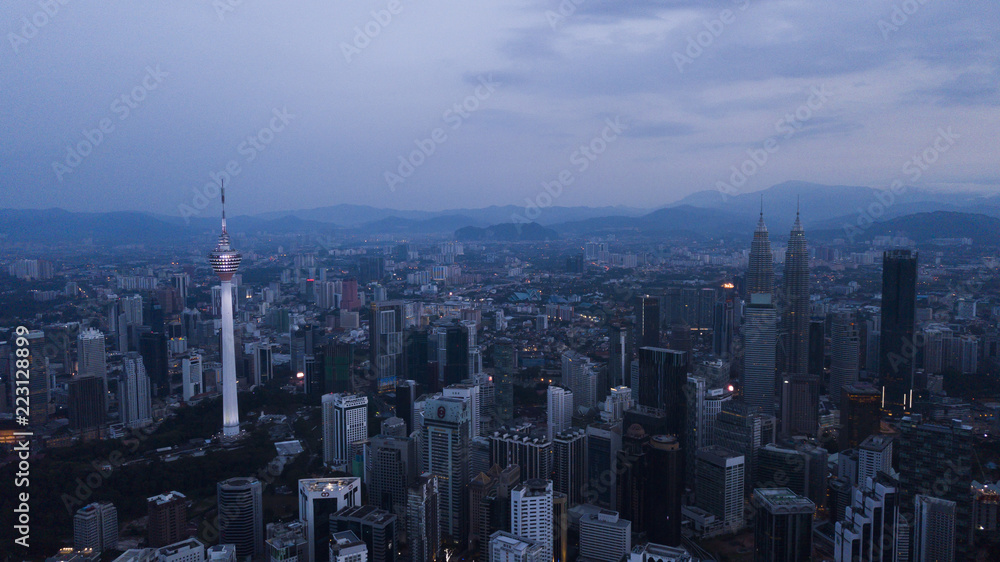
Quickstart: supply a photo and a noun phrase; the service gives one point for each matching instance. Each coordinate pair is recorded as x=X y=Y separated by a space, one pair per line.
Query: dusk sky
x=868 y=85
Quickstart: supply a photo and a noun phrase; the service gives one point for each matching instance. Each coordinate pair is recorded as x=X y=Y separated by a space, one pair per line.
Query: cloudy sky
x=638 y=103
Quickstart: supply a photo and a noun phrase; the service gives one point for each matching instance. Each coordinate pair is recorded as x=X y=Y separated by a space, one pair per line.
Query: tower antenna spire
x=761 y=206
x=222 y=184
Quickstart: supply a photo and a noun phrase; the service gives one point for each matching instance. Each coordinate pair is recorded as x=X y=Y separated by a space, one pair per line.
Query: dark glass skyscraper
x=662 y=376
x=897 y=350
x=647 y=319
x=796 y=312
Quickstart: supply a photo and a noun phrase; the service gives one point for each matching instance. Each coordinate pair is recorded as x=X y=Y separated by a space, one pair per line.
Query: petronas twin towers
x=760 y=330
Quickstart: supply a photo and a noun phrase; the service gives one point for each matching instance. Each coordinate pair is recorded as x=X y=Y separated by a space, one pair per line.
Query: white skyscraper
x=469 y=393
x=874 y=456
x=319 y=498
x=135 y=402
x=531 y=513
x=604 y=536
x=191 y=369
x=92 y=359
x=225 y=261
x=559 y=410
x=345 y=421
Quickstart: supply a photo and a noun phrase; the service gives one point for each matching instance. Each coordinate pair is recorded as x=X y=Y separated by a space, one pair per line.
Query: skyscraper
x=605 y=536
x=319 y=498
x=719 y=485
x=859 y=413
x=569 y=450
x=647 y=321
x=393 y=468
x=241 y=515
x=665 y=487
x=559 y=410
x=39 y=384
x=531 y=513
x=662 y=377
x=504 y=367
x=225 y=262
x=345 y=421
x=92 y=359
x=619 y=355
x=844 y=354
x=782 y=526
x=760 y=271
x=796 y=313
x=386 y=340
x=759 y=344
x=95 y=526
x=422 y=520
x=136 y=404
x=579 y=375
x=933 y=529
x=896 y=345
x=446 y=455
x=87 y=403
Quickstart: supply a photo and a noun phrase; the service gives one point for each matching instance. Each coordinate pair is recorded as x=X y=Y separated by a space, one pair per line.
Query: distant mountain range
x=825 y=210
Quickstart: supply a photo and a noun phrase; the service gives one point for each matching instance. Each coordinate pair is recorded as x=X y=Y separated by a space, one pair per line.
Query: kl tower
x=225 y=261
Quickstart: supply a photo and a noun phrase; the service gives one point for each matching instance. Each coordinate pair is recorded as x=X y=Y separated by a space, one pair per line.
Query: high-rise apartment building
x=136 y=403
x=167 y=516
x=95 y=526
x=531 y=513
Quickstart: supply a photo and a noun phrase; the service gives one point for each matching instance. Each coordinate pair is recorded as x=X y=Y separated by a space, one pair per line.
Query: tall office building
x=489 y=505
x=394 y=467
x=664 y=490
x=647 y=319
x=345 y=421
x=39 y=385
x=319 y=498
x=241 y=515
x=860 y=412
x=759 y=345
x=446 y=452
x=95 y=526
x=872 y=529
x=423 y=529
x=933 y=529
x=800 y=405
x=782 y=526
x=87 y=403
x=559 y=410
x=504 y=369
x=663 y=374
x=92 y=359
x=569 y=451
x=896 y=345
x=744 y=432
x=136 y=404
x=619 y=354
x=192 y=376
x=470 y=394
x=874 y=456
x=604 y=441
x=580 y=376
x=377 y=528
x=167 y=516
x=154 y=350
x=845 y=344
x=760 y=272
x=927 y=451
x=533 y=453
x=604 y=536
x=796 y=312
x=719 y=485
x=386 y=340
x=225 y=262
x=531 y=513
x=817 y=346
